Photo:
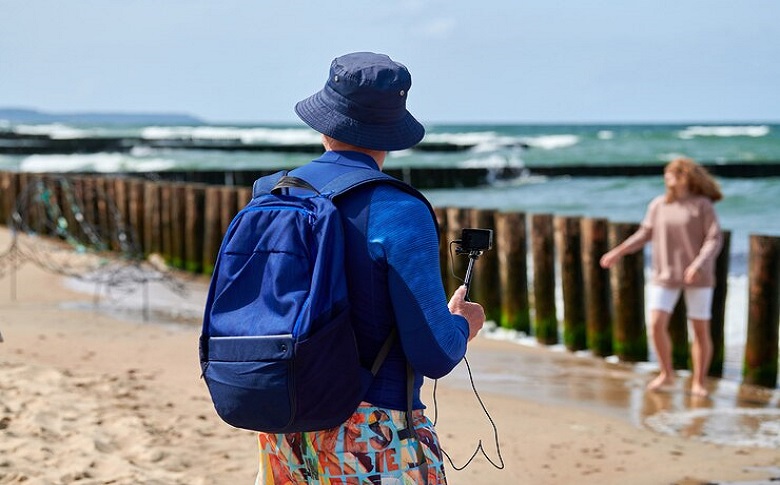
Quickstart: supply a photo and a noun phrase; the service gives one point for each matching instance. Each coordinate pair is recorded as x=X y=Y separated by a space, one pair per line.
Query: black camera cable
x=480 y=448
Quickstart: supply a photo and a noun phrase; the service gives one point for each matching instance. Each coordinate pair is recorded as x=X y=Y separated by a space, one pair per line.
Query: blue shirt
x=394 y=279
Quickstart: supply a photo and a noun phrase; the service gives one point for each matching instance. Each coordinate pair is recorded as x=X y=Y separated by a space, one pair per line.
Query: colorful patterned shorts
x=373 y=447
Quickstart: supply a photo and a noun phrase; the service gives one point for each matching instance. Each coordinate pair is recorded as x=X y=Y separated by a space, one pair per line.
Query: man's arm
x=403 y=234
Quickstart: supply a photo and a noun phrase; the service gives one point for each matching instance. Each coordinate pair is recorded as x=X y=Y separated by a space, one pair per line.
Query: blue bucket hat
x=363 y=103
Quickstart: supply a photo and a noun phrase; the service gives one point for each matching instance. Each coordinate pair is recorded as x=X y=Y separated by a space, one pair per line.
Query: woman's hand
x=690 y=274
x=610 y=258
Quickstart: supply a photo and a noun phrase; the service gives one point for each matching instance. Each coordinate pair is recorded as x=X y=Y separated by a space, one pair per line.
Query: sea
x=751 y=205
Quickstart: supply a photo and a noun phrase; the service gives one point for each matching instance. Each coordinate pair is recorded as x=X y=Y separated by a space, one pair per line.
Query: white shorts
x=698 y=301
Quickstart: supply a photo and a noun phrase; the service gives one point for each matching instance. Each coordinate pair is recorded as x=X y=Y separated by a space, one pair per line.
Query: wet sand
x=98 y=395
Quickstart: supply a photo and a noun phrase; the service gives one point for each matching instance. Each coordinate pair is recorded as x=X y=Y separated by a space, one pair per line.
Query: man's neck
x=337 y=146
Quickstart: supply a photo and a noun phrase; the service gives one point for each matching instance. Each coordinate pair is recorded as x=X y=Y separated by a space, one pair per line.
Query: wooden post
x=120 y=199
x=228 y=207
x=135 y=208
x=763 y=311
x=678 y=333
x=74 y=213
x=627 y=281
x=486 y=281
x=58 y=185
x=212 y=230
x=511 y=247
x=22 y=200
x=718 y=322
x=51 y=206
x=124 y=228
x=5 y=212
x=17 y=188
x=90 y=203
x=543 y=252
x=244 y=196
x=47 y=204
x=106 y=208
x=569 y=249
x=193 y=229
x=177 y=224
x=35 y=210
x=598 y=316
x=166 y=229
x=70 y=197
x=456 y=218
x=152 y=218
x=9 y=190
x=441 y=227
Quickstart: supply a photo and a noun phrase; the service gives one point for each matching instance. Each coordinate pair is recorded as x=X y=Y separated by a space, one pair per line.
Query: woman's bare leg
x=701 y=356
x=662 y=343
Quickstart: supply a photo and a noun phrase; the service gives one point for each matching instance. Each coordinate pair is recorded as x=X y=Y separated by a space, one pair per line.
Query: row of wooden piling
x=603 y=310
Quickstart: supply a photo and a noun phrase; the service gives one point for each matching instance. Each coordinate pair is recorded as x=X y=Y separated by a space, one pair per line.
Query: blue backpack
x=277 y=349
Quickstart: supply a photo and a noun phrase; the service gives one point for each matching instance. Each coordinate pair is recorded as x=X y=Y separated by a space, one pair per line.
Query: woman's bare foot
x=661 y=381
x=699 y=390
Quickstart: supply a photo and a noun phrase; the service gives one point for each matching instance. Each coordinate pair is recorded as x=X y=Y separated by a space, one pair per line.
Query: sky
x=501 y=61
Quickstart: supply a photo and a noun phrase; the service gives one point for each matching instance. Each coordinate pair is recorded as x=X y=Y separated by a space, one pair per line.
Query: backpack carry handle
x=288 y=181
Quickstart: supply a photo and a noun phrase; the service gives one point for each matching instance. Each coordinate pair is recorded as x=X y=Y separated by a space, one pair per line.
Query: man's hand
x=472 y=312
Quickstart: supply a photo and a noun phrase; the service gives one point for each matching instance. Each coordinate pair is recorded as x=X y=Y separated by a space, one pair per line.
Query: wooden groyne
x=603 y=311
x=448 y=177
x=13 y=143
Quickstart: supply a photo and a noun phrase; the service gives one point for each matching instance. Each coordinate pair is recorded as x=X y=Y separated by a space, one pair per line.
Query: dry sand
x=89 y=398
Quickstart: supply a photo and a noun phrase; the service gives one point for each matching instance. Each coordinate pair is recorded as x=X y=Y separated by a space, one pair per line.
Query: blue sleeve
x=402 y=235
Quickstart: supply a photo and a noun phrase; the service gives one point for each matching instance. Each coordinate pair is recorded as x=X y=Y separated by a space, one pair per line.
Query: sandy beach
x=94 y=397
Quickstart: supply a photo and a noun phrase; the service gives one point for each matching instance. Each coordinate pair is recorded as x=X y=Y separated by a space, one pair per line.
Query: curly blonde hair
x=700 y=182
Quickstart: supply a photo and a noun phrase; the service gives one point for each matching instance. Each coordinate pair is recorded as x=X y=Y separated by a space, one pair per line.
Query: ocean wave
x=754 y=131
x=552 y=142
x=99 y=162
x=53 y=130
x=481 y=141
x=248 y=136
x=492 y=161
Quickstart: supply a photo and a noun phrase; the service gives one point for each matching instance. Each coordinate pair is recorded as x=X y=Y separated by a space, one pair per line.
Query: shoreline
x=90 y=398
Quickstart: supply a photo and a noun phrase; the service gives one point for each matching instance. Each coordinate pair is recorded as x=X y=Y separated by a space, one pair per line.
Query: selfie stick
x=473 y=255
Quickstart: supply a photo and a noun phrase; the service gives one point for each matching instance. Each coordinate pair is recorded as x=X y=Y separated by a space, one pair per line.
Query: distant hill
x=22 y=115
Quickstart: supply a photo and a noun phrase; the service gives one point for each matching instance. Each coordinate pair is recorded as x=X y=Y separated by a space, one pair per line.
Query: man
x=394 y=282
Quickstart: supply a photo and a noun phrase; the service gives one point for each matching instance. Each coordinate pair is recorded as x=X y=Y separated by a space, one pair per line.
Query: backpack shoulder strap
x=352 y=179
x=356 y=178
x=264 y=185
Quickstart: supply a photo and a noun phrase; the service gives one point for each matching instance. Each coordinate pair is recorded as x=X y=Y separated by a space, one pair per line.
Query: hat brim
x=400 y=135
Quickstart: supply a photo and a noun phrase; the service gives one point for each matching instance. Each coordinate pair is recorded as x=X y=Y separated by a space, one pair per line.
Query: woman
x=686 y=240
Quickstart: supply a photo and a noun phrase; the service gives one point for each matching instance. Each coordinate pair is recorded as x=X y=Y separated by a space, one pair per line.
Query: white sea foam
x=495 y=160
x=605 y=135
x=226 y=133
x=481 y=141
x=552 y=142
x=54 y=130
x=99 y=162
x=491 y=141
x=754 y=131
